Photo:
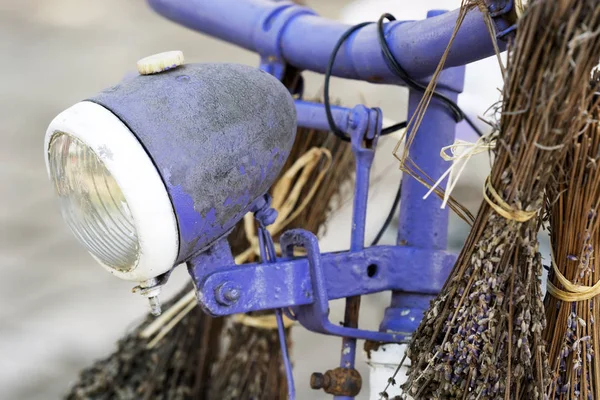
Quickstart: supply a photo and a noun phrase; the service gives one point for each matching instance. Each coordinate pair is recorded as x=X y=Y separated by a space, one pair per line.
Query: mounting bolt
x=319 y=381
x=227 y=294
x=338 y=382
x=353 y=119
x=150 y=289
x=155 y=308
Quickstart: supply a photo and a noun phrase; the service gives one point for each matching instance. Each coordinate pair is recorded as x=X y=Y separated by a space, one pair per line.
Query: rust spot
x=375 y=79
x=371 y=346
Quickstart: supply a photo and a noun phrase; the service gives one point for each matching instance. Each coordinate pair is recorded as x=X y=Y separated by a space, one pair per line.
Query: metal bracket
x=315 y=316
x=290 y=282
x=306 y=285
x=312 y=115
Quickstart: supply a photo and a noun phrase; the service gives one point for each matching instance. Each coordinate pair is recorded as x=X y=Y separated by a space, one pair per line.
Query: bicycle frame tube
x=289 y=33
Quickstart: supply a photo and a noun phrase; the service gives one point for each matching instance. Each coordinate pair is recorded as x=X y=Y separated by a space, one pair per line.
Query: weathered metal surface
x=345 y=382
x=417 y=45
x=289 y=283
x=218 y=134
x=364 y=135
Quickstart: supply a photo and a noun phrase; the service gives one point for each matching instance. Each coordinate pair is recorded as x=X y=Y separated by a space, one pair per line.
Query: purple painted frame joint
x=288 y=282
x=199 y=267
x=268 y=34
x=503 y=10
x=315 y=316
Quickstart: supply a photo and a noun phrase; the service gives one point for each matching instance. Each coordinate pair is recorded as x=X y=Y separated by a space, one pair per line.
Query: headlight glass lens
x=92 y=203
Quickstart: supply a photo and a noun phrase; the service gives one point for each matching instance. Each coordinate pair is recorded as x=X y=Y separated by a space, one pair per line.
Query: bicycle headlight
x=111 y=195
x=92 y=202
x=156 y=169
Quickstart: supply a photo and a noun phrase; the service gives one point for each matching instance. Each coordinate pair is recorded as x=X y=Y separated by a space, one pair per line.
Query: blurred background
x=59 y=311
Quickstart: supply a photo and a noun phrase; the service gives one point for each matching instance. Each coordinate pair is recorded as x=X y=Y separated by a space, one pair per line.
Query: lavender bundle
x=572 y=303
x=482 y=336
x=178 y=369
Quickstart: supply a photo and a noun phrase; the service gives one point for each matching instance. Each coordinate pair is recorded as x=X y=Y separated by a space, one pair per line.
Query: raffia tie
x=286 y=193
x=502 y=207
x=459 y=153
x=572 y=292
x=267 y=322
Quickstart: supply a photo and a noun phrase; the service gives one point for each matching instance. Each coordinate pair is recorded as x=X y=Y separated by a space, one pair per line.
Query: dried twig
x=572 y=304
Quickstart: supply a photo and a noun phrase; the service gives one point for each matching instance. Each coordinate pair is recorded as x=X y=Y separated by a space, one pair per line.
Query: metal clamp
x=288 y=282
x=315 y=316
x=268 y=33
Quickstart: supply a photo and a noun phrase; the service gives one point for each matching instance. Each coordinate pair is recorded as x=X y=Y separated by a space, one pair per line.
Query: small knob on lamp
x=160 y=62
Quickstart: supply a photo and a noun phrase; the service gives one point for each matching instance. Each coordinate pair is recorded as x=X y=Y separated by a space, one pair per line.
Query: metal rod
x=312 y=115
x=363 y=161
x=268 y=255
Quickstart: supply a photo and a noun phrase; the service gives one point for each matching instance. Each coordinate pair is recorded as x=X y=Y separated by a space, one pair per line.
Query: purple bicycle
x=184 y=151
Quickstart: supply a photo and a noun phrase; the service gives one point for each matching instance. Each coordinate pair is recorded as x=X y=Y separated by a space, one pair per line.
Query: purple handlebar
x=284 y=31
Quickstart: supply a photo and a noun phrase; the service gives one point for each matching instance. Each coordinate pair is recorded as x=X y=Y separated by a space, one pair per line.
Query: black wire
x=394 y=128
x=546 y=267
x=393 y=64
x=336 y=131
x=390 y=216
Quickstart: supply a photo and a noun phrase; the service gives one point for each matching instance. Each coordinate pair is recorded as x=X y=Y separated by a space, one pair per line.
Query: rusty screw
x=338 y=382
x=319 y=381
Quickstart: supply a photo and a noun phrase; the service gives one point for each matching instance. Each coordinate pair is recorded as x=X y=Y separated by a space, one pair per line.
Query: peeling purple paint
x=200 y=136
x=293 y=283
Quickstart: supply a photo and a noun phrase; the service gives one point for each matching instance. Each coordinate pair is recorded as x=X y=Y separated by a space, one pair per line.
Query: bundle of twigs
x=177 y=369
x=482 y=336
x=572 y=303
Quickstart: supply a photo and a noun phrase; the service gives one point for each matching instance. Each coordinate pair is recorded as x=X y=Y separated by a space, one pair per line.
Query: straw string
x=502 y=207
x=459 y=151
x=268 y=322
x=572 y=292
x=407 y=164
